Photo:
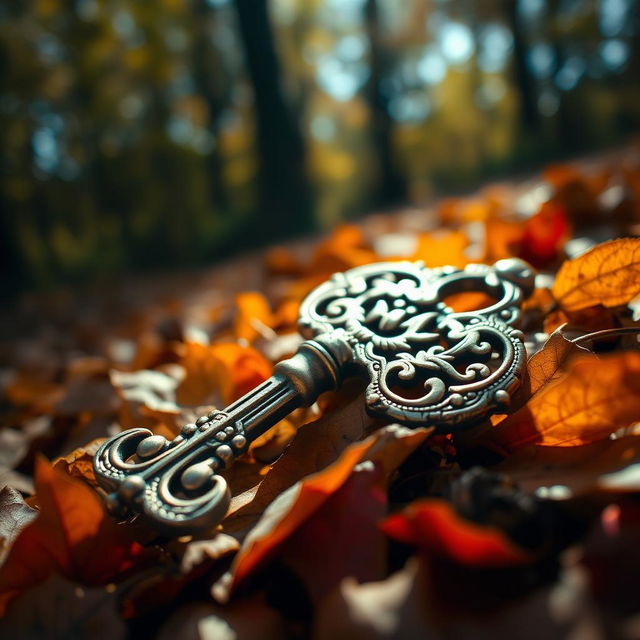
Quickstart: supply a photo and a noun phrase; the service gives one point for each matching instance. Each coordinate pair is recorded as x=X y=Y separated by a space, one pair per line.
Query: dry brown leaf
x=571 y=471
x=290 y=510
x=15 y=514
x=594 y=399
x=198 y=552
x=315 y=446
x=145 y=390
x=608 y=274
x=79 y=463
x=549 y=362
x=397 y=607
x=271 y=444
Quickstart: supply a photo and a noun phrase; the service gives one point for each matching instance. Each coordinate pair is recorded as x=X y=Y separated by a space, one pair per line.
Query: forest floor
x=341 y=524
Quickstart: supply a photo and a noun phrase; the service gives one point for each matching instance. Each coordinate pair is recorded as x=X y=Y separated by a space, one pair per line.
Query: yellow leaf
x=609 y=275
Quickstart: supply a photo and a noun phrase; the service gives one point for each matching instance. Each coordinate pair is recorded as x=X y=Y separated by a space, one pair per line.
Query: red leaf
x=436 y=529
x=71 y=535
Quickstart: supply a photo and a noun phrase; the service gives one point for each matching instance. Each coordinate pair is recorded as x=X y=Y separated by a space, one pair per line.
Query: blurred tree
x=391 y=186
x=529 y=114
x=285 y=205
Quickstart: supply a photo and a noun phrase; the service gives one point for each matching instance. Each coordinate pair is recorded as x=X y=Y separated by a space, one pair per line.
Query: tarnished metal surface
x=426 y=365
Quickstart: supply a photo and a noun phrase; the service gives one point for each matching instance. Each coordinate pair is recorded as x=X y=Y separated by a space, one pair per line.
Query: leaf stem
x=604 y=333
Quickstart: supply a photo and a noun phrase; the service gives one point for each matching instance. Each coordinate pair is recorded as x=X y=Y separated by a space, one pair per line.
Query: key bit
x=426 y=365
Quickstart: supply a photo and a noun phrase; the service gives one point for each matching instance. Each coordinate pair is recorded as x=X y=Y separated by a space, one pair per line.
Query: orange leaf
x=387 y=449
x=342 y=539
x=608 y=274
x=442 y=248
x=239 y=369
x=253 y=317
x=291 y=509
x=595 y=398
x=502 y=238
x=345 y=248
x=436 y=529
x=227 y=368
x=79 y=463
x=71 y=535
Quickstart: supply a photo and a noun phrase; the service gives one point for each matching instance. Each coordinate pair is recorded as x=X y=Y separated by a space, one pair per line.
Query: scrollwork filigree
x=427 y=364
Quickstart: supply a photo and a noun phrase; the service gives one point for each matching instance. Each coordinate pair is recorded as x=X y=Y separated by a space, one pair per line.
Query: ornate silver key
x=426 y=364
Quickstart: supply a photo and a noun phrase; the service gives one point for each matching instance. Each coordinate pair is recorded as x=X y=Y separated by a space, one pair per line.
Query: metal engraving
x=426 y=365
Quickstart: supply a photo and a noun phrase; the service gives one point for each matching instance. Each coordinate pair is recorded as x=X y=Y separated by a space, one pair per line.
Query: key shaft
x=174 y=484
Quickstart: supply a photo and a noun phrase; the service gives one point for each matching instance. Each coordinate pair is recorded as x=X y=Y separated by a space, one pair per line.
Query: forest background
x=176 y=132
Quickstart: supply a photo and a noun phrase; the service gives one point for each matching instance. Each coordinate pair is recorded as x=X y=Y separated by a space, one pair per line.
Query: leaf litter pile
x=341 y=526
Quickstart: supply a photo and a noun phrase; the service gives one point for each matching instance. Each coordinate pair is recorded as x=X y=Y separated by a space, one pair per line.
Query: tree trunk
x=392 y=187
x=285 y=204
x=529 y=115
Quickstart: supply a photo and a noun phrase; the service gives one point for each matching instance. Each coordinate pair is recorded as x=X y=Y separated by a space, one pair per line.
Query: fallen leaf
x=544 y=236
x=253 y=316
x=144 y=390
x=315 y=446
x=299 y=502
x=435 y=528
x=290 y=509
x=442 y=248
x=342 y=538
x=608 y=274
x=501 y=238
x=271 y=444
x=198 y=552
x=221 y=372
x=93 y=395
x=545 y=365
x=15 y=514
x=79 y=463
x=71 y=535
x=596 y=397
x=563 y=472
x=59 y=608
x=344 y=248
x=610 y=556
x=39 y=394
